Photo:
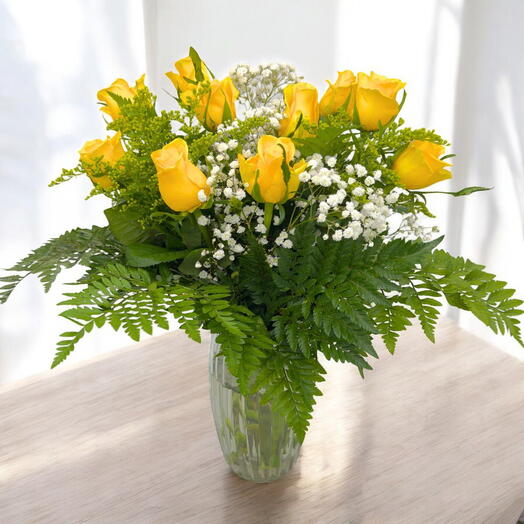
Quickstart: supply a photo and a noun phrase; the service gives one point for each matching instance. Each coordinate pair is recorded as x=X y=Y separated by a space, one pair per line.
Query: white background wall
x=461 y=60
x=54 y=56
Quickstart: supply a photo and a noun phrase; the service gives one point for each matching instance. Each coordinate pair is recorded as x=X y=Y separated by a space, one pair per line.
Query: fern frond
x=391 y=321
x=78 y=246
x=423 y=302
x=467 y=286
x=290 y=381
x=127 y=298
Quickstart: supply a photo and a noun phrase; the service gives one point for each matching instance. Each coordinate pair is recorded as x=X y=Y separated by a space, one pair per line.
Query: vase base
x=261 y=479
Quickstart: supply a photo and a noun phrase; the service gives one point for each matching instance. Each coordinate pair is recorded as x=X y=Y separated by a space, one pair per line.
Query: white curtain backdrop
x=54 y=56
x=461 y=60
x=489 y=142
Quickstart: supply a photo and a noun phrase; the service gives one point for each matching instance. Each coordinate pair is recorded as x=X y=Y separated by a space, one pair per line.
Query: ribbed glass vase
x=256 y=442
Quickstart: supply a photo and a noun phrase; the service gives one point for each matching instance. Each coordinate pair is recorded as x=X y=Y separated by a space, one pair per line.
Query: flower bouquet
x=289 y=227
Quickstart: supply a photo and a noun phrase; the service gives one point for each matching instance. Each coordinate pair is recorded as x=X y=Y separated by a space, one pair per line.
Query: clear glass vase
x=256 y=442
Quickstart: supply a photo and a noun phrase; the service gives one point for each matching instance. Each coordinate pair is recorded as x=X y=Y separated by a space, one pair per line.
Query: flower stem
x=203 y=229
x=268 y=216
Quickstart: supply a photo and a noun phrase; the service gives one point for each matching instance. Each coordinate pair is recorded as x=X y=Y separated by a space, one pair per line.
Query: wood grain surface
x=434 y=434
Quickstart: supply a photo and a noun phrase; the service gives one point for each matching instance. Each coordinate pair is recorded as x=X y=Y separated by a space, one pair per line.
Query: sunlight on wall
x=56 y=55
x=489 y=142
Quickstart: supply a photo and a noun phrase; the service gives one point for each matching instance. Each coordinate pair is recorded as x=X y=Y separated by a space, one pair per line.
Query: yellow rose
x=185 y=79
x=265 y=173
x=121 y=88
x=337 y=95
x=218 y=104
x=419 y=166
x=179 y=180
x=375 y=99
x=301 y=101
x=109 y=150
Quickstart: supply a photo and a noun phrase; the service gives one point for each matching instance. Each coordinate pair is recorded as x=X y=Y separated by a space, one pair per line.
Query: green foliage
x=333 y=297
x=136 y=300
x=135 y=180
x=467 y=286
x=254 y=287
x=125 y=226
x=330 y=138
x=290 y=385
x=335 y=292
x=68 y=174
x=144 y=255
x=391 y=320
x=78 y=246
x=143 y=129
x=324 y=297
x=127 y=298
x=463 y=192
x=422 y=299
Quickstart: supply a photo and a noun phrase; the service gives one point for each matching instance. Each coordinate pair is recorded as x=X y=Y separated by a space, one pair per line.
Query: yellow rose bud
x=375 y=100
x=419 y=165
x=121 y=88
x=218 y=104
x=267 y=171
x=179 y=180
x=301 y=101
x=109 y=150
x=185 y=79
x=337 y=95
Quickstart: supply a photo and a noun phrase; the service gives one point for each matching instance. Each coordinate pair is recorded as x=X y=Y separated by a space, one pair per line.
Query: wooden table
x=434 y=435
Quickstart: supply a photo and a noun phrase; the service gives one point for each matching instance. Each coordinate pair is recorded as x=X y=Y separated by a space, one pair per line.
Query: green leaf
x=403 y=101
x=404 y=254
x=467 y=286
x=135 y=300
x=323 y=142
x=290 y=385
x=463 y=192
x=298 y=124
x=8 y=288
x=86 y=247
x=227 y=115
x=124 y=225
x=190 y=232
x=284 y=165
x=144 y=255
x=188 y=264
x=198 y=64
